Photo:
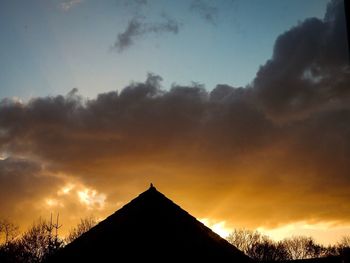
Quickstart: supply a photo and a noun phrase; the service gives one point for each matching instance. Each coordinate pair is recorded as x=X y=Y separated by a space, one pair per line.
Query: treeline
x=42 y=240
x=39 y=242
x=261 y=248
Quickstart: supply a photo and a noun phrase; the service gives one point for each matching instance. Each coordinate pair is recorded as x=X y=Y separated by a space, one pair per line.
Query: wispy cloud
x=206 y=11
x=66 y=5
x=137 y=28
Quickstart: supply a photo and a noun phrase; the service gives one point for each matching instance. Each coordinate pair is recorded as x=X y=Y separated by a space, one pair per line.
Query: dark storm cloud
x=206 y=11
x=139 y=119
x=309 y=70
x=281 y=145
x=137 y=28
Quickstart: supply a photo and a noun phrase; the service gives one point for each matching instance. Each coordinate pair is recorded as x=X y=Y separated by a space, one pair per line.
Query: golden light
x=53 y=202
x=323 y=232
x=66 y=189
x=91 y=198
x=218 y=227
x=3 y=156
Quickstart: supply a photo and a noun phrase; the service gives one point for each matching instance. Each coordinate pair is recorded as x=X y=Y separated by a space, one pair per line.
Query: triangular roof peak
x=150 y=227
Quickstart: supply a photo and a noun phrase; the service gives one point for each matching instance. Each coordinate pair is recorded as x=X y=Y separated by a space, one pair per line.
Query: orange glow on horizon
x=219 y=227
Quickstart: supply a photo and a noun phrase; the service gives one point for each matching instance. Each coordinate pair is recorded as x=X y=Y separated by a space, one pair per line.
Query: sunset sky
x=237 y=110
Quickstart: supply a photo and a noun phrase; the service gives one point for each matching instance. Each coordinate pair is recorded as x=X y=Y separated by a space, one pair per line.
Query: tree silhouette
x=257 y=246
x=39 y=241
x=245 y=240
x=8 y=230
x=301 y=247
x=83 y=226
x=345 y=242
x=261 y=248
x=267 y=250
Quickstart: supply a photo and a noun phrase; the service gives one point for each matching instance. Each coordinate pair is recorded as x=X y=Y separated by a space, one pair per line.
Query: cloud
x=137 y=28
x=66 y=5
x=22 y=182
x=273 y=153
x=308 y=71
x=29 y=190
x=206 y=11
x=125 y=39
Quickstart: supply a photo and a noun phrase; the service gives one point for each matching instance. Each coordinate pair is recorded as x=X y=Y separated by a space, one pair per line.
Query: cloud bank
x=272 y=153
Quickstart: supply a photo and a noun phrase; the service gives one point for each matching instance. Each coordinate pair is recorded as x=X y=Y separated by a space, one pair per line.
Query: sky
x=236 y=110
x=49 y=47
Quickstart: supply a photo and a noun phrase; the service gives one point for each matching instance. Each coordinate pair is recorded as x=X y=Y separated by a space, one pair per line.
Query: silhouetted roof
x=150 y=228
